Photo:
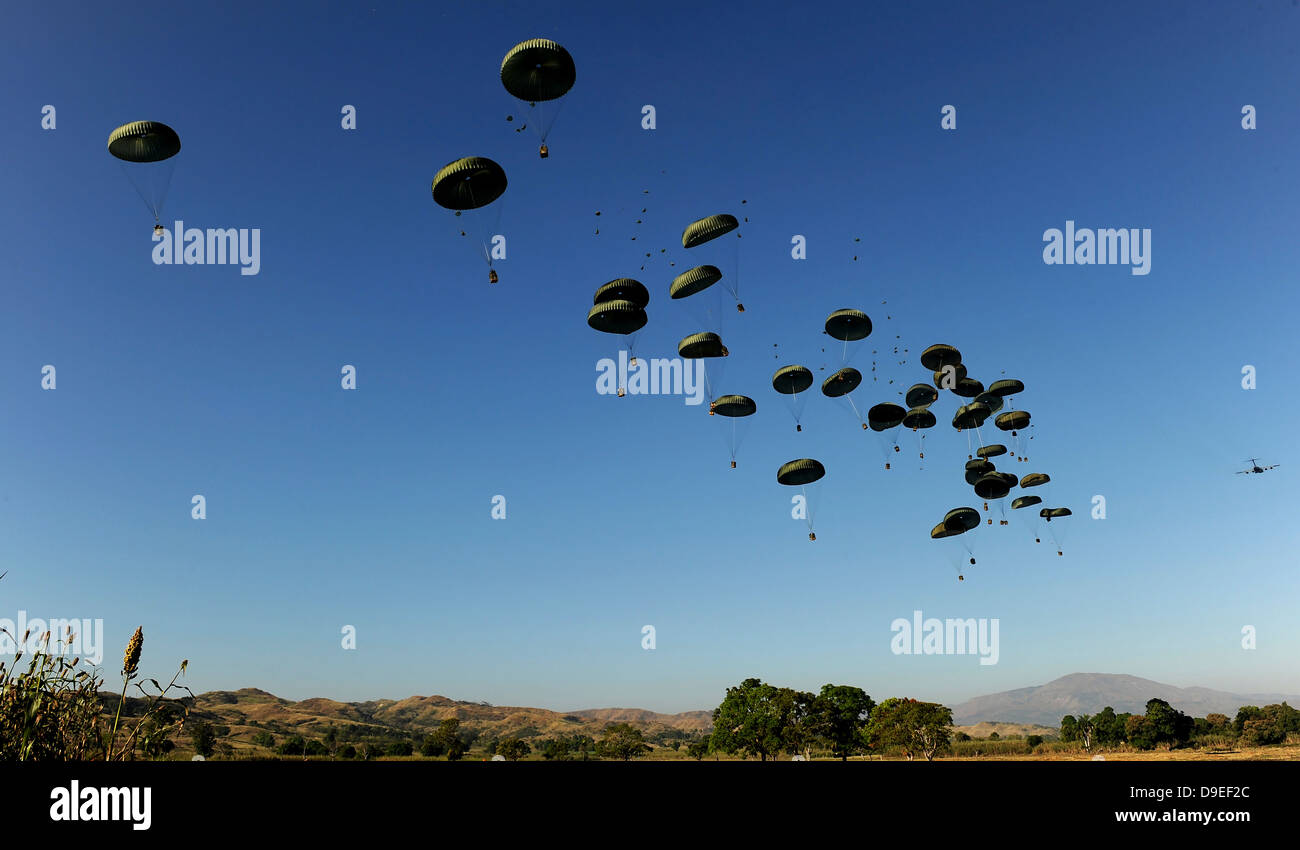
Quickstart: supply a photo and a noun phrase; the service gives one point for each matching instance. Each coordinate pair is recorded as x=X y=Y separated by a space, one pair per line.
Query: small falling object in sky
x=510 y=117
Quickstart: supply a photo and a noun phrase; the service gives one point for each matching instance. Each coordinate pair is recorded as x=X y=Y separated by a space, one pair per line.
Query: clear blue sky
x=372 y=507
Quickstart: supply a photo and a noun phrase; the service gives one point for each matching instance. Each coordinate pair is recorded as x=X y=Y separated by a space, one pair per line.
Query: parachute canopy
x=1025 y=502
x=706 y=229
x=1006 y=387
x=968 y=387
x=992 y=401
x=792 y=379
x=970 y=416
x=734 y=405
x=1034 y=479
x=842 y=382
x=991 y=486
x=961 y=519
x=694 y=280
x=1012 y=420
x=701 y=345
x=796 y=473
x=941 y=531
x=848 y=325
x=623 y=289
x=882 y=417
x=538 y=69
x=918 y=418
x=921 y=395
x=617 y=317
x=991 y=450
x=469 y=183
x=937 y=356
x=1050 y=514
x=144 y=141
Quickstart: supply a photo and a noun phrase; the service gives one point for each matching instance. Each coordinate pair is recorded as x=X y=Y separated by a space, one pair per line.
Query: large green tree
x=752 y=720
x=621 y=741
x=917 y=728
x=839 y=717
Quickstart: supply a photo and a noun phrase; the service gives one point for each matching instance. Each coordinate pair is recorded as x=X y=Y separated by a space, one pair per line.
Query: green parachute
x=142 y=147
x=706 y=230
x=537 y=71
x=736 y=409
x=801 y=473
x=791 y=381
x=468 y=184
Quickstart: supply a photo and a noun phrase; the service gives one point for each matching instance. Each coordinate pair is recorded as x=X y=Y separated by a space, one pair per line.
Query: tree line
x=1162 y=725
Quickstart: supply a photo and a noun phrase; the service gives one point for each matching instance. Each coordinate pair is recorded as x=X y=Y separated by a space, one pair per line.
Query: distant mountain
x=249 y=710
x=1088 y=693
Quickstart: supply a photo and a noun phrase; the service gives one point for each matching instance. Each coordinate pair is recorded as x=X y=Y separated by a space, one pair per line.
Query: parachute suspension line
x=148 y=204
x=166 y=185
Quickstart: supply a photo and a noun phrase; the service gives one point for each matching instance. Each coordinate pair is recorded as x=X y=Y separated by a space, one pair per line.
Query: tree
x=513 y=748
x=750 y=720
x=447 y=736
x=839 y=716
x=348 y=752
x=1069 y=729
x=621 y=741
x=431 y=747
x=316 y=748
x=699 y=748
x=264 y=739
x=555 y=749
x=203 y=737
x=1168 y=725
x=917 y=728
x=399 y=748
x=294 y=746
x=994 y=736
x=1033 y=741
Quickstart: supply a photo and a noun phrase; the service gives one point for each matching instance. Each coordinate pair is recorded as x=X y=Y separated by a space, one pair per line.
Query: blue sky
x=372 y=507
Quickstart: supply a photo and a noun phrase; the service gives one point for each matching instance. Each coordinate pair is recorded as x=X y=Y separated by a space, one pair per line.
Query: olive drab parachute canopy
x=736 y=408
x=977 y=469
x=919 y=418
x=941 y=531
x=144 y=141
x=1025 y=502
x=921 y=395
x=990 y=400
x=840 y=387
x=842 y=383
x=991 y=486
x=1057 y=530
x=801 y=473
x=537 y=71
x=961 y=519
x=955 y=523
x=989 y=451
x=623 y=289
x=791 y=381
x=702 y=345
x=848 y=325
x=970 y=416
x=968 y=387
x=141 y=146
x=1006 y=387
x=472 y=183
x=617 y=317
x=469 y=183
x=708 y=229
x=1012 y=420
x=694 y=280
x=884 y=419
x=939 y=355
x=1035 y=479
